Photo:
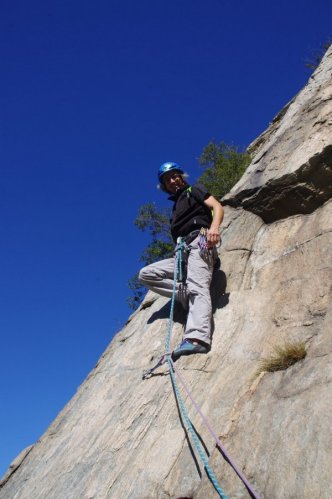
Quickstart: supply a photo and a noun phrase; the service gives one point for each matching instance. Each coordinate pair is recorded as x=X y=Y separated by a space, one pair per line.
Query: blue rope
x=184 y=415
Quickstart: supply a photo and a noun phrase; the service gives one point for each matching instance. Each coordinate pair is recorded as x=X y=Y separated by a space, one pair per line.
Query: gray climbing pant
x=194 y=294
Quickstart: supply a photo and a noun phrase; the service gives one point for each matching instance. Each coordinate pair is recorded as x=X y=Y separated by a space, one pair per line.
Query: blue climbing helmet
x=167 y=167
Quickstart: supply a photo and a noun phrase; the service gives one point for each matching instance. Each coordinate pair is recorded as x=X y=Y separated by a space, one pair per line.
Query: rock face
x=291 y=170
x=121 y=437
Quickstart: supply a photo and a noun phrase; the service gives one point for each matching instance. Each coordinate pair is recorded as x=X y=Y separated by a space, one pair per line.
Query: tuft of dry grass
x=283 y=357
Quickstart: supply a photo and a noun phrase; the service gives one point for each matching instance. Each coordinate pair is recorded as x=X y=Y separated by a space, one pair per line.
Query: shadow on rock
x=179 y=316
x=218 y=286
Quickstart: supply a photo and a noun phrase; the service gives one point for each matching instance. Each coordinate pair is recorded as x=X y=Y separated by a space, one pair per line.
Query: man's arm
x=213 y=234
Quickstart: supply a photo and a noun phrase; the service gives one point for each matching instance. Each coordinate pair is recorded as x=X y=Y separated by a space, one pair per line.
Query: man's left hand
x=213 y=236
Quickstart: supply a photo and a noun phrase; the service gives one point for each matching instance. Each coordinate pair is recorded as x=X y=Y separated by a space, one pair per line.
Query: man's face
x=173 y=181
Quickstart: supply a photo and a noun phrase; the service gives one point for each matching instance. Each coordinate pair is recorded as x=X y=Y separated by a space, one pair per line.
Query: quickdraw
x=148 y=373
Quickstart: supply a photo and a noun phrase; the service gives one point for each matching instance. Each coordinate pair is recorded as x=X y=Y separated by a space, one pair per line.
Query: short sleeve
x=200 y=192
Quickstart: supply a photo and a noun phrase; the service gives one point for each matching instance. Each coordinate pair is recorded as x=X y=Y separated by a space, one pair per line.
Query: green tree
x=315 y=59
x=224 y=165
x=156 y=223
x=137 y=292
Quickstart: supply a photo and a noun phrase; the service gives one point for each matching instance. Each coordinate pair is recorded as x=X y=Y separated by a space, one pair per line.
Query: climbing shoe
x=187 y=347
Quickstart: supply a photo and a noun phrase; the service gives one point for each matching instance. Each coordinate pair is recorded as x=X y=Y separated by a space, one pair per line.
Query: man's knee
x=155 y=272
x=148 y=274
x=198 y=288
x=143 y=275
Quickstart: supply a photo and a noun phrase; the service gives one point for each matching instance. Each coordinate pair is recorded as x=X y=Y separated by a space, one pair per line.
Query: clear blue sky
x=94 y=96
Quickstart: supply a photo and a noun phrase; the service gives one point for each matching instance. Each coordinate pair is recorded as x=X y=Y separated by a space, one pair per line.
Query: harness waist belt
x=191 y=236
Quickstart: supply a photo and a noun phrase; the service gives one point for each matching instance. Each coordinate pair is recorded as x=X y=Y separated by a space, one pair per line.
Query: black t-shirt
x=189 y=211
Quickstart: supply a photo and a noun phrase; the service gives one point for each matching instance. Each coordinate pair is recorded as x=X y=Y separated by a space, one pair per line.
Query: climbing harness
x=203 y=244
x=175 y=373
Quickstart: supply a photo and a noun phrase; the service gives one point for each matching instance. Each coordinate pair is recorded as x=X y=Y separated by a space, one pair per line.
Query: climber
x=196 y=219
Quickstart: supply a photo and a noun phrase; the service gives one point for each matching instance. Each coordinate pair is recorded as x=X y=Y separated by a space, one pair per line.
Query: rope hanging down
x=172 y=370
